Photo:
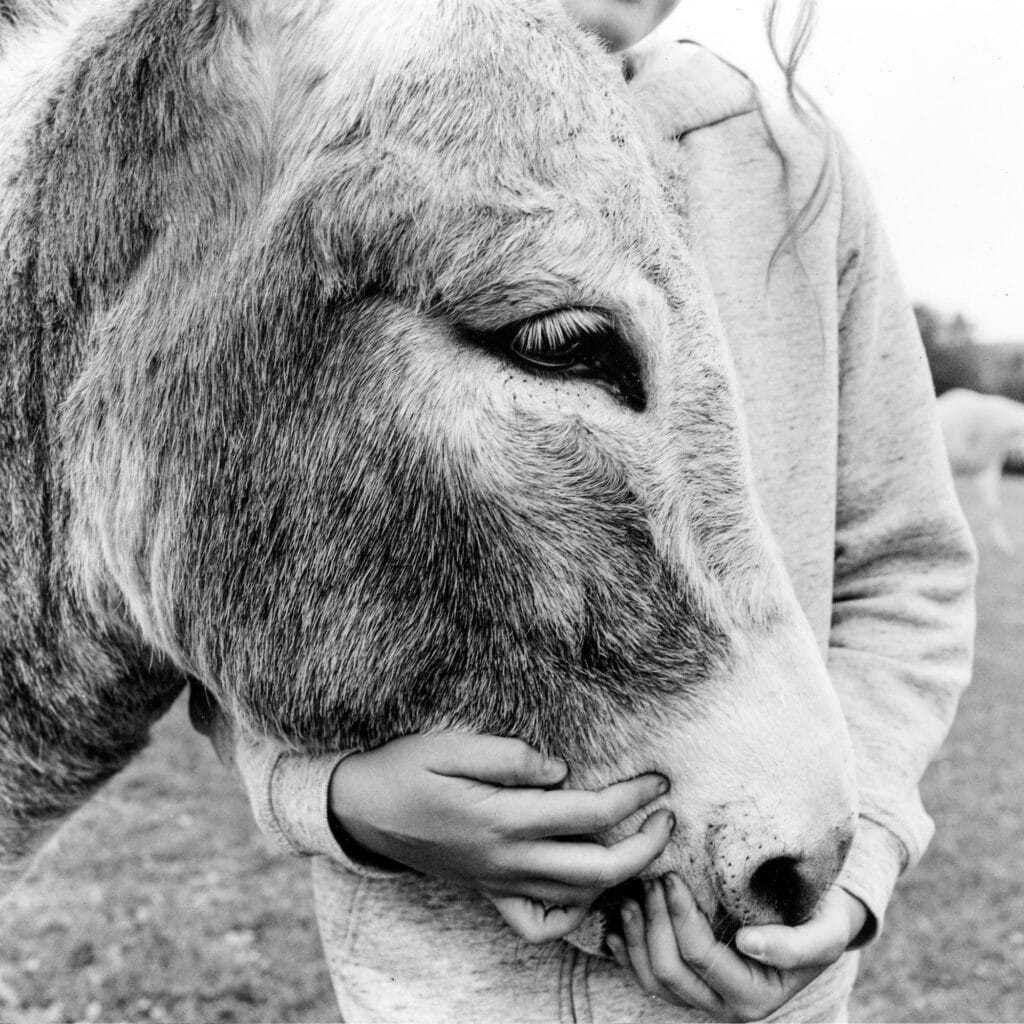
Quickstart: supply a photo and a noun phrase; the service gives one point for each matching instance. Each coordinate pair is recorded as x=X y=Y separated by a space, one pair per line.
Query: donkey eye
x=558 y=340
x=574 y=342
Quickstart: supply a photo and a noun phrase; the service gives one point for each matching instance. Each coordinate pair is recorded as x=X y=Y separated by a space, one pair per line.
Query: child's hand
x=482 y=811
x=670 y=947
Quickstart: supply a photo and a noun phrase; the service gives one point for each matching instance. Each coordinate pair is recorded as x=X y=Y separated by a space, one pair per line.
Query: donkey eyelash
x=556 y=330
x=582 y=344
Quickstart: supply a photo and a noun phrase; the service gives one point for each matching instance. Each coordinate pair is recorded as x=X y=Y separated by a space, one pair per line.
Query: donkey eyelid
x=587 y=344
x=559 y=328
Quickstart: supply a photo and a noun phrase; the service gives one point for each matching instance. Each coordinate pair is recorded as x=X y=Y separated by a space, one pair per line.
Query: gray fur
x=248 y=437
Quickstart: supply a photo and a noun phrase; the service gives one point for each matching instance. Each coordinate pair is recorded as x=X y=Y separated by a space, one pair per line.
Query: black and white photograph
x=511 y=511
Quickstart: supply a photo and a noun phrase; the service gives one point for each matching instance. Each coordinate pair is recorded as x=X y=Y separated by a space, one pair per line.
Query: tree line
x=957 y=360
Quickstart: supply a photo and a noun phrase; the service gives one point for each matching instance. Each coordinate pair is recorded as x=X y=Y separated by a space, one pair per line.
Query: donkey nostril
x=785 y=887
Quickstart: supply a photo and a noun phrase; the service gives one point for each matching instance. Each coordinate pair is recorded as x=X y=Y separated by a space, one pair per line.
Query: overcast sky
x=930 y=94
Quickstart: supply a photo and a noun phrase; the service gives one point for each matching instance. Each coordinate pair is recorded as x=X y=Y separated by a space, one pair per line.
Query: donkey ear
x=679 y=86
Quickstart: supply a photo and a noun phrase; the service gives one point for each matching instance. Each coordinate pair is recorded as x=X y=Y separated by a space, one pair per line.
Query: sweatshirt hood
x=695 y=86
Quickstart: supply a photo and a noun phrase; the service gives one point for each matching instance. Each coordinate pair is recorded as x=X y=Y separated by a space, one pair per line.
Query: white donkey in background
x=981 y=432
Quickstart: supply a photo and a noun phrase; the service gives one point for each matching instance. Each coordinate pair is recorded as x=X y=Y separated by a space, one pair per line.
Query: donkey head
x=416 y=414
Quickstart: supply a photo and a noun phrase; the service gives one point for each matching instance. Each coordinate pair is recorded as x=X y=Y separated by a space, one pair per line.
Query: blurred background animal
x=982 y=432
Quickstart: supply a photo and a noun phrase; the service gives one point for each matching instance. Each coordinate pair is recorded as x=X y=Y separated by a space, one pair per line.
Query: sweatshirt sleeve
x=903 y=602
x=288 y=792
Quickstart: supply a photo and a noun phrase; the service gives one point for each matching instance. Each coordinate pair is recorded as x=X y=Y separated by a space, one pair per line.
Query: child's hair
x=800 y=37
x=788 y=58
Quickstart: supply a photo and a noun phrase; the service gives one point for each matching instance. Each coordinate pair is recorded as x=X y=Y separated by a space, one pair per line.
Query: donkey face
x=414 y=413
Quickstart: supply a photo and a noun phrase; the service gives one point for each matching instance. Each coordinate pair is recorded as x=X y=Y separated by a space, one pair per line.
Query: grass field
x=160 y=902
x=953 y=948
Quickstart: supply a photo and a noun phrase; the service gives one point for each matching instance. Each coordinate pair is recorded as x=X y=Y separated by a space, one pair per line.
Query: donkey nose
x=789 y=887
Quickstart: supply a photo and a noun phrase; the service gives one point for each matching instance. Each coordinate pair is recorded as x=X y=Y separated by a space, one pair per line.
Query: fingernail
x=671 y=820
x=752 y=946
x=663 y=787
x=552 y=766
x=671 y=882
x=629 y=909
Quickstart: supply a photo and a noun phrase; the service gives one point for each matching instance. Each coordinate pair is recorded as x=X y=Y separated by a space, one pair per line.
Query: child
x=885 y=581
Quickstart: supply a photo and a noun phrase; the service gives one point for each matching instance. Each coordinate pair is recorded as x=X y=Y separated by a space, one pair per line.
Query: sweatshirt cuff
x=874 y=863
x=291 y=803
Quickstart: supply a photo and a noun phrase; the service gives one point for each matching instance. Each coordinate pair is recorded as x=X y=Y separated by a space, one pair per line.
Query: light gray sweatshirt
x=853 y=478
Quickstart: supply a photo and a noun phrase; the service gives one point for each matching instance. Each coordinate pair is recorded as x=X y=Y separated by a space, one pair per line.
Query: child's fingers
x=543 y=890
x=592 y=866
x=535 y=922
x=635 y=938
x=495 y=759
x=814 y=944
x=675 y=955
x=570 y=812
x=667 y=965
x=724 y=971
x=748 y=990
x=817 y=943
